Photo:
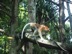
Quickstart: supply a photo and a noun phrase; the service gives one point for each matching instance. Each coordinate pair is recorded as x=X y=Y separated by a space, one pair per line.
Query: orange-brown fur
x=40 y=28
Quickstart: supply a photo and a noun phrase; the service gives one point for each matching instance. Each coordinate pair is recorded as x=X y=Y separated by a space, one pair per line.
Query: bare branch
x=68 y=1
x=1 y=30
x=67 y=18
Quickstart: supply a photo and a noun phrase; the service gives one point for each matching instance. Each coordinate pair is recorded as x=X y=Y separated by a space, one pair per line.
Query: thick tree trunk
x=13 y=24
x=32 y=16
x=32 y=10
x=69 y=13
x=61 y=22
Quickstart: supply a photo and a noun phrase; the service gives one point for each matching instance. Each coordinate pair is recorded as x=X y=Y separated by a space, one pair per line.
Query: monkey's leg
x=34 y=33
x=40 y=34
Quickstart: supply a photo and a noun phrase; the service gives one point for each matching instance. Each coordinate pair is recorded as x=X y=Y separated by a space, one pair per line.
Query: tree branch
x=1 y=30
x=49 y=44
x=68 y=1
x=67 y=18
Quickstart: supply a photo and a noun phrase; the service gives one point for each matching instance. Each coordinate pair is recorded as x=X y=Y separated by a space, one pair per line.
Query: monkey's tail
x=23 y=30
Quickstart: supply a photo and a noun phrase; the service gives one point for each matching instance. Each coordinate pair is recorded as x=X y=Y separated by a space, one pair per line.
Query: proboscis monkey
x=38 y=28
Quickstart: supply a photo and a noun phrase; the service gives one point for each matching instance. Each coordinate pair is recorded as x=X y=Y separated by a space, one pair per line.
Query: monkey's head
x=45 y=28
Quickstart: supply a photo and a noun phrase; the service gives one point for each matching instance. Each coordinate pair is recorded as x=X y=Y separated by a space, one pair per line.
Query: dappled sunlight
x=71 y=40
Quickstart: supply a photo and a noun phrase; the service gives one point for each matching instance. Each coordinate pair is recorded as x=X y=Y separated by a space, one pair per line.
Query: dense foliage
x=46 y=13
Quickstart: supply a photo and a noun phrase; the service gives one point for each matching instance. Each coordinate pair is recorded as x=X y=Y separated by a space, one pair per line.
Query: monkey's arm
x=40 y=34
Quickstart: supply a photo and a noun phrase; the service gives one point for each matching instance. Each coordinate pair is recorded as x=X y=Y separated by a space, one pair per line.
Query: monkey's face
x=46 y=28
